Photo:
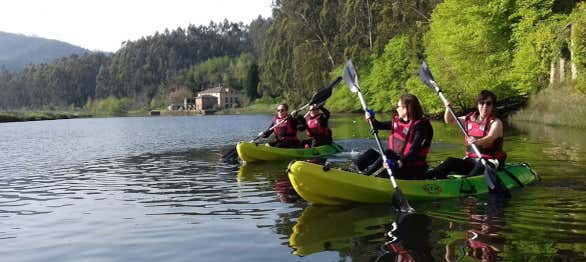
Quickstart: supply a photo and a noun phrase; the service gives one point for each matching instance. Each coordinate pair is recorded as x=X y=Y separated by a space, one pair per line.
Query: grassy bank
x=18 y=116
x=260 y=106
x=556 y=106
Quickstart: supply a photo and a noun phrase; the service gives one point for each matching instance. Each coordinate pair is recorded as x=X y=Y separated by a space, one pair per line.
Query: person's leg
x=451 y=164
x=366 y=159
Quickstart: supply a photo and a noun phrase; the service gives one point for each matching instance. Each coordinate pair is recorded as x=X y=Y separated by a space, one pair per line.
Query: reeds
x=556 y=106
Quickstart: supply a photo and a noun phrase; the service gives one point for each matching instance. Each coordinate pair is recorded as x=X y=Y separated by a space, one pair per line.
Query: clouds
x=103 y=25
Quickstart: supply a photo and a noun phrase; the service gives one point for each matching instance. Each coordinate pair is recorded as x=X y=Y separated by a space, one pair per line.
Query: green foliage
x=538 y=39
x=386 y=81
x=109 y=106
x=67 y=81
x=251 y=84
x=532 y=58
x=468 y=49
x=342 y=100
x=230 y=72
x=578 y=19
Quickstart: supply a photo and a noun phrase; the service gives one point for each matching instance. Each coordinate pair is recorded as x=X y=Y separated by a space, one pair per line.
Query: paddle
x=399 y=200
x=318 y=98
x=490 y=173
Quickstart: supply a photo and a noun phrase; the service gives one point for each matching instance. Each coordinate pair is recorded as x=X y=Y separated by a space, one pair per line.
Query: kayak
x=251 y=152
x=326 y=186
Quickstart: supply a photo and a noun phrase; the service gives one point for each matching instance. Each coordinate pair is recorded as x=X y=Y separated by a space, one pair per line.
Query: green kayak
x=338 y=187
x=251 y=152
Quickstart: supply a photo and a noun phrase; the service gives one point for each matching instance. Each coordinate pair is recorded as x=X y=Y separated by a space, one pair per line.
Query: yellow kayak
x=338 y=187
x=251 y=152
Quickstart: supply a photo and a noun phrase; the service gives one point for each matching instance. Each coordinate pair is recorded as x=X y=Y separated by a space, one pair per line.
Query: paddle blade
x=351 y=77
x=230 y=155
x=400 y=202
x=323 y=95
x=427 y=77
x=494 y=183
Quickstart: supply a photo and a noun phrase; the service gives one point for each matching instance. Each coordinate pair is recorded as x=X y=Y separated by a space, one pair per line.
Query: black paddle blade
x=427 y=77
x=494 y=183
x=350 y=76
x=230 y=155
x=322 y=95
x=400 y=202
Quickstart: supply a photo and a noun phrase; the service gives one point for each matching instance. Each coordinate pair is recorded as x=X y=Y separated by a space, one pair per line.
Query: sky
x=104 y=24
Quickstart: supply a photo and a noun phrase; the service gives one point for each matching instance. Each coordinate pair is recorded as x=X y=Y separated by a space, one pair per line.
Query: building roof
x=216 y=89
x=200 y=96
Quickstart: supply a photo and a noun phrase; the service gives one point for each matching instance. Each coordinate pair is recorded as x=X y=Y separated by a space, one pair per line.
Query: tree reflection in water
x=482 y=239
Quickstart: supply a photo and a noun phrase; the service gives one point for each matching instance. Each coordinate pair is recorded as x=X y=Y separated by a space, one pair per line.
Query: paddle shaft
x=474 y=147
x=378 y=143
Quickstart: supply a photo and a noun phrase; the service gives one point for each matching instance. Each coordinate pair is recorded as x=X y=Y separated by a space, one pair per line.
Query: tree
x=251 y=82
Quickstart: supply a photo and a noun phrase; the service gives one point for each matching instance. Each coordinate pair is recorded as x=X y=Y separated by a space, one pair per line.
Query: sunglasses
x=313 y=109
x=281 y=110
x=486 y=103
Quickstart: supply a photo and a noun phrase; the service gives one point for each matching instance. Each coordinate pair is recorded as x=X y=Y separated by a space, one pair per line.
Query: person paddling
x=409 y=141
x=317 y=127
x=286 y=127
x=484 y=130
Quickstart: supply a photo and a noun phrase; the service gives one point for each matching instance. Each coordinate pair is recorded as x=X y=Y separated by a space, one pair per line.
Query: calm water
x=153 y=189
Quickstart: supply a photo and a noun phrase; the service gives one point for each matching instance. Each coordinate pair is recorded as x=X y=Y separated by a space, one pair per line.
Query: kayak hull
x=339 y=187
x=252 y=152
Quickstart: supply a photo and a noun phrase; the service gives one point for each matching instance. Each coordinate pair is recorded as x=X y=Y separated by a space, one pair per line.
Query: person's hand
x=447 y=103
x=389 y=164
x=368 y=114
x=471 y=140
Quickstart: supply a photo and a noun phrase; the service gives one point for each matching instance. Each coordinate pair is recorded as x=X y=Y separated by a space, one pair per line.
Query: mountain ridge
x=18 y=50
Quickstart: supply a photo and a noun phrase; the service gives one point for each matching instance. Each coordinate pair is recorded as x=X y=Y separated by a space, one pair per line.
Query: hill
x=18 y=51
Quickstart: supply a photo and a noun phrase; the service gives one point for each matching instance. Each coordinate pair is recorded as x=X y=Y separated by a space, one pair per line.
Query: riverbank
x=554 y=106
x=20 y=116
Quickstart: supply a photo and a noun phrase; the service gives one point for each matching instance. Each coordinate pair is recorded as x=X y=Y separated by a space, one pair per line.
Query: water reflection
x=153 y=189
x=480 y=238
x=408 y=239
x=265 y=174
x=350 y=230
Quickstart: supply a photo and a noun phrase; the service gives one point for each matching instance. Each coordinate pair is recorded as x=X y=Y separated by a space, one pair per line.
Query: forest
x=507 y=46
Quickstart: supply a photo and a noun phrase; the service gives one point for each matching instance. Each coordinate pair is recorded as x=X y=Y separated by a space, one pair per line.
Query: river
x=153 y=189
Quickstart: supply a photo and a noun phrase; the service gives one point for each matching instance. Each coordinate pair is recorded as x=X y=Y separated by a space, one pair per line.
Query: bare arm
x=449 y=119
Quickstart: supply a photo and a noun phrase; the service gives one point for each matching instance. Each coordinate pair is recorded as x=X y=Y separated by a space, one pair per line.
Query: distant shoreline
x=6 y=117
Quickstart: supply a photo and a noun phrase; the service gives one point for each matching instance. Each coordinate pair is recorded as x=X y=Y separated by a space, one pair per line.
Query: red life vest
x=480 y=130
x=316 y=130
x=284 y=131
x=401 y=140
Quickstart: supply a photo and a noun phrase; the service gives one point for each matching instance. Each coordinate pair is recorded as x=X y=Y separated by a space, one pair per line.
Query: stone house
x=205 y=102
x=226 y=97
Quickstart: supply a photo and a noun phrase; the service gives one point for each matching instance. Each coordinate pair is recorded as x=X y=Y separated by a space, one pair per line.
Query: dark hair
x=414 y=110
x=484 y=95
x=285 y=106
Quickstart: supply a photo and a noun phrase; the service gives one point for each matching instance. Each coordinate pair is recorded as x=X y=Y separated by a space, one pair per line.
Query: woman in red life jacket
x=484 y=130
x=285 y=128
x=317 y=127
x=410 y=138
